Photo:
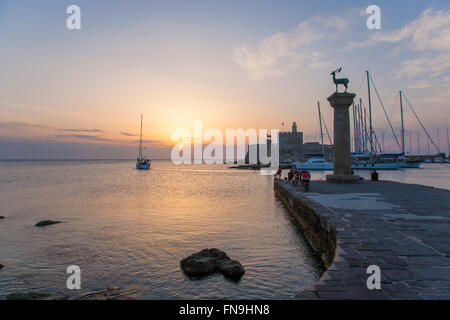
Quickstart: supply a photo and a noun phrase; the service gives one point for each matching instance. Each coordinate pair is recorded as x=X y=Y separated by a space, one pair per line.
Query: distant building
x=290 y=144
x=292 y=147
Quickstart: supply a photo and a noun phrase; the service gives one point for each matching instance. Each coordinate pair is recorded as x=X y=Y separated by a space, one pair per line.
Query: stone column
x=341 y=103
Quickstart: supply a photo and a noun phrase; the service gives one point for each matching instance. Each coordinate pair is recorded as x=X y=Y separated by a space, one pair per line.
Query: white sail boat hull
x=143 y=166
x=412 y=165
x=377 y=166
x=315 y=164
x=321 y=165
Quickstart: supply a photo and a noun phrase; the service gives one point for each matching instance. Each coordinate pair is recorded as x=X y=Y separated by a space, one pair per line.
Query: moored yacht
x=315 y=164
x=142 y=163
x=376 y=165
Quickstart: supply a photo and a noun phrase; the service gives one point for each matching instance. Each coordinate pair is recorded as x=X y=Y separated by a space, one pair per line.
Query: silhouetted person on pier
x=278 y=174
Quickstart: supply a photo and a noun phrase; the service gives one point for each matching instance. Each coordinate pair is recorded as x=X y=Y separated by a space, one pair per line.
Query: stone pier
x=341 y=151
x=404 y=229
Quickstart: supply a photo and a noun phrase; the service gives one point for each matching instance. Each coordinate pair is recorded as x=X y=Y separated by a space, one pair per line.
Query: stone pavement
x=402 y=228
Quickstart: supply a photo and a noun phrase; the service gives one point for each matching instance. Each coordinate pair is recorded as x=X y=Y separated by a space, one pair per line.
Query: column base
x=343 y=178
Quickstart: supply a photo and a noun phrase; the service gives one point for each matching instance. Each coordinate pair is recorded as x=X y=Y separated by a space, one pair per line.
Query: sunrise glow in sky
x=232 y=64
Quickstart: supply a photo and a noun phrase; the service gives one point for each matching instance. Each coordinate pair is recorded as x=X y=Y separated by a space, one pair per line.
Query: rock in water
x=1 y=266
x=44 y=223
x=209 y=261
x=232 y=269
x=2 y=217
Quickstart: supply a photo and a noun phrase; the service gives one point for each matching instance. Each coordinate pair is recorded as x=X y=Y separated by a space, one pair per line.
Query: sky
x=78 y=94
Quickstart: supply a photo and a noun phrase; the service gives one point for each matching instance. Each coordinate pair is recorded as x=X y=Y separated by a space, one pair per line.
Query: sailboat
x=142 y=163
x=408 y=161
x=317 y=163
x=364 y=159
x=448 y=146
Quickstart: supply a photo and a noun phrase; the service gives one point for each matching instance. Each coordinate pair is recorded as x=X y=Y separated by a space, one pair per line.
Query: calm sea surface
x=129 y=229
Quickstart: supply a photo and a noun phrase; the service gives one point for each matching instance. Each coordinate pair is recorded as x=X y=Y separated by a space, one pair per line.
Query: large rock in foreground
x=209 y=261
x=45 y=223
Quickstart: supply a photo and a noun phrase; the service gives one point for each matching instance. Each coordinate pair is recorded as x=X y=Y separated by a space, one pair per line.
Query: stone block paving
x=406 y=233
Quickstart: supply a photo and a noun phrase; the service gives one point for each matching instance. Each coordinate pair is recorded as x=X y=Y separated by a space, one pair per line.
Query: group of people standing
x=295 y=176
x=301 y=175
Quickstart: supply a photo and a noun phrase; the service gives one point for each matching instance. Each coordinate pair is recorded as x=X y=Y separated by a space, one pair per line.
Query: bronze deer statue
x=336 y=81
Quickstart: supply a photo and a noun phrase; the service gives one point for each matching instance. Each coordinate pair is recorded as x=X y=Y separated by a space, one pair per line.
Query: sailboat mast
x=361 y=126
x=358 y=124
x=370 y=113
x=439 y=142
x=140 y=140
x=320 y=121
x=418 y=142
x=410 y=143
x=448 y=145
x=365 y=128
x=403 y=124
x=354 y=127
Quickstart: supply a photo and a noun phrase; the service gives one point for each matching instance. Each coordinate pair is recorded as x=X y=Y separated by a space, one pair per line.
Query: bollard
x=374 y=176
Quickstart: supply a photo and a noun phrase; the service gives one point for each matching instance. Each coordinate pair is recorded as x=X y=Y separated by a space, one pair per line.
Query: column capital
x=341 y=99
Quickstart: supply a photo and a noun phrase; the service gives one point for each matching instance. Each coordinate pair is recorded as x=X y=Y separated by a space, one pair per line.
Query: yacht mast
x=418 y=142
x=361 y=125
x=410 y=144
x=354 y=128
x=403 y=125
x=370 y=113
x=362 y=138
x=365 y=131
x=140 y=141
x=321 y=131
x=438 y=140
x=448 y=145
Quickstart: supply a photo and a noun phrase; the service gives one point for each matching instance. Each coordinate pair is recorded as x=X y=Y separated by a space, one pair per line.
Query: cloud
x=128 y=134
x=153 y=142
x=15 y=148
x=16 y=125
x=80 y=136
x=68 y=137
x=23 y=129
x=433 y=66
x=429 y=34
x=442 y=97
x=281 y=52
x=80 y=130
x=420 y=85
x=431 y=31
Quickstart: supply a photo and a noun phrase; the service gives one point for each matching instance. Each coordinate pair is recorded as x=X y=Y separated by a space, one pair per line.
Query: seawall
x=315 y=222
x=401 y=228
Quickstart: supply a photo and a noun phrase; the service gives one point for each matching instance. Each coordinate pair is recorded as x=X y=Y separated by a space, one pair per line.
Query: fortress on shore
x=293 y=149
